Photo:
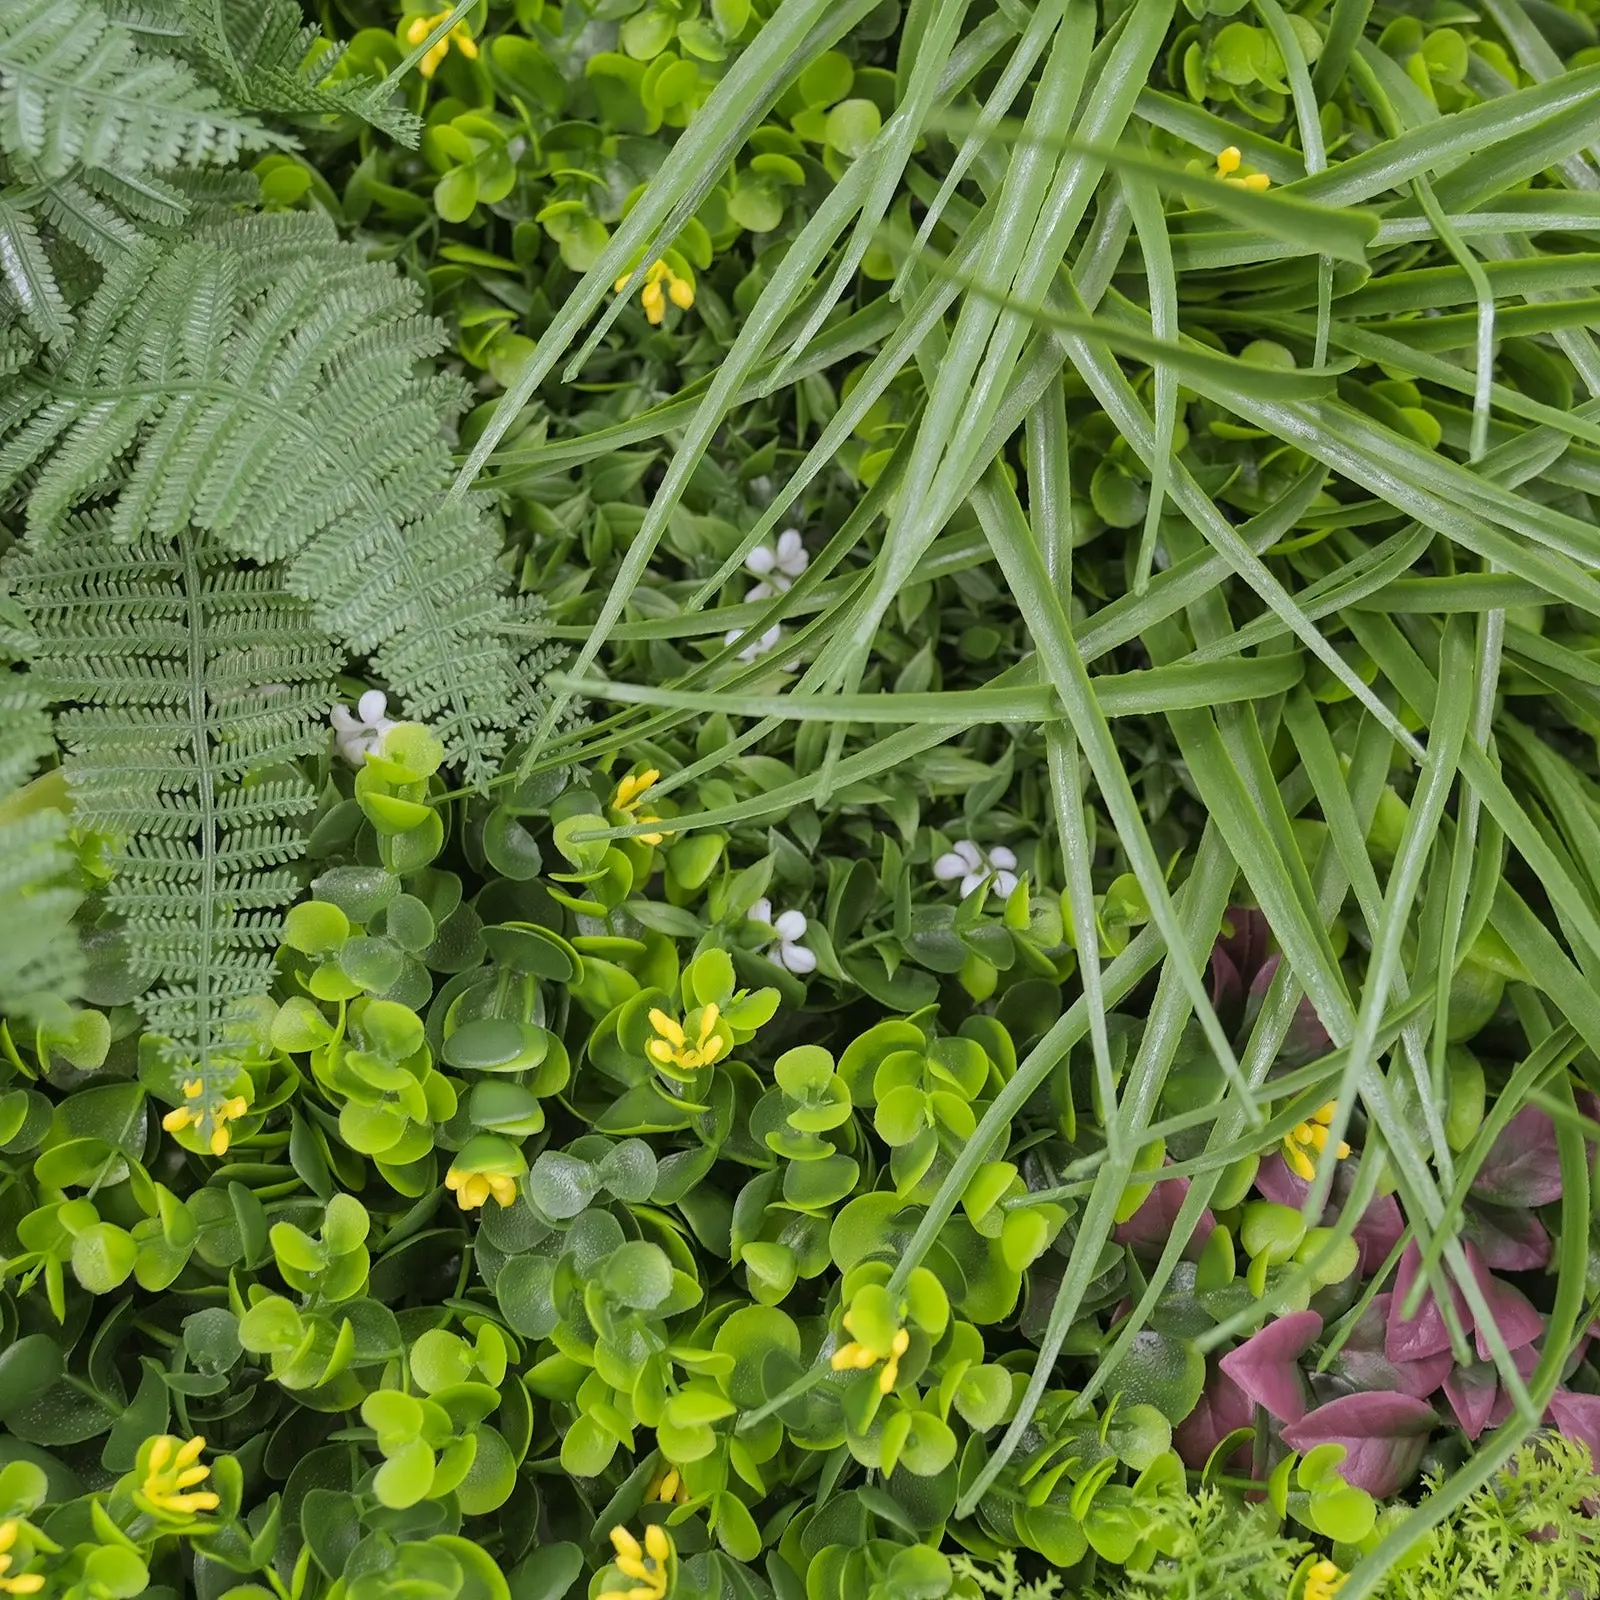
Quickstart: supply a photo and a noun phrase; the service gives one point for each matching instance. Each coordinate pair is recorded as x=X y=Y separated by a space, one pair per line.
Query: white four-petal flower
x=972 y=864
x=757 y=647
x=790 y=927
x=777 y=566
x=362 y=730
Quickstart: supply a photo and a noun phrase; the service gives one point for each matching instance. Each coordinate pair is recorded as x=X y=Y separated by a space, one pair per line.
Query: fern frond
x=163 y=202
x=75 y=88
x=263 y=55
x=259 y=381
x=81 y=215
x=29 y=278
x=41 y=966
x=193 y=688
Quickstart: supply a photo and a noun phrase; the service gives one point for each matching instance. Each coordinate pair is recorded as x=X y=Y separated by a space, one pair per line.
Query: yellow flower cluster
x=1305 y=1141
x=626 y=800
x=669 y=1488
x=855 y=1357
x=661 y=284
x=1323 y=1581
x=1229 y=162
x=228 y=1111
x=473 y=1188
x=648 y=1563
x=671 y=1047
x=24 y=1582
x=459 y=36
x=174 y=1470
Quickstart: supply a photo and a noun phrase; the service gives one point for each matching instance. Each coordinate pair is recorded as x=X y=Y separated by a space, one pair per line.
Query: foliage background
x=1221 y=552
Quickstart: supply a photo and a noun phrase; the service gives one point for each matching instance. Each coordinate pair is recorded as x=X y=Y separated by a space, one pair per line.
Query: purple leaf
x=1514 y=1316
x=1247 y=941
x=1222 y=1409
x=1472 y=1391
x=1377 y=1233
x=1307 y=1038
x=1235 y=960
x=1424 y=1334
x=1150 y=1227
x=1227 y=987
x=1383 y=1433
x=1279 y=1184
x=1508 y=1241
x=1522 y=1167
x=1362 y=1364
x=1577 y=1416
x=1264 y=1366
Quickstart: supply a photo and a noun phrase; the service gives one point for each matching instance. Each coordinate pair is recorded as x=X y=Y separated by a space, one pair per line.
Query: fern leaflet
x=40 y=963
x=259 y=382
x=196 y=687
x=261 y=52
x=76 y=88
x=28 y=276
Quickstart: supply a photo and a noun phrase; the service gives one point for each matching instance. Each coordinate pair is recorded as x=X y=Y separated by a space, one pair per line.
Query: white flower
x=362 y=731
x=777 y=567
x=790 y=926
x=757 y=647
x=972 y=865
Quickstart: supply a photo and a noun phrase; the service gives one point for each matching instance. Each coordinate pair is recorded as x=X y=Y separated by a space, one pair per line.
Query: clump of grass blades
x=1328 y=426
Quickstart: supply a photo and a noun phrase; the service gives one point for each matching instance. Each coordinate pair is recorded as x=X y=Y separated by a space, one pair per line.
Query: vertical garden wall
x=798 y=799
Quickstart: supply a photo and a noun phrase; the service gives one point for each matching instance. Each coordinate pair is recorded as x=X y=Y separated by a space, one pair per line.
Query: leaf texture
x=76 y=87
x=195 y=685
x=259 y=382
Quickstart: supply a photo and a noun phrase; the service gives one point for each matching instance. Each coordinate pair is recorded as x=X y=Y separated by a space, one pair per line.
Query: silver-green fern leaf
x=41 y=965
x=109 y=115
x=78 y=89
x=194 y=688
x=265 y=58
x=264 y=383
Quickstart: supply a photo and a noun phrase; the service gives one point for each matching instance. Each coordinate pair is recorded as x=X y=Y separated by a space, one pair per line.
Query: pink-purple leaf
x=1223 y=1408
x=1384 y=1434
x=1266 y=1365
x=1522 y=1167
x=1362 y=1363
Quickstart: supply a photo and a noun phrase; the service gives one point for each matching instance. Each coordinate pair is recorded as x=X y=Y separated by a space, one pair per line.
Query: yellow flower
x=24 y=1582
x=671 y=1048
x=668 y=1488
x=459 y=35
x=855 y=1357
x=630 y=791
x=170 y=1479
x=229 y=1111
x=649 y=1563
x=487 y=1164
x=1228 y=163
x=473 y=1188
x=661 y=284
x=1305 y=1141
x=1323 y=1581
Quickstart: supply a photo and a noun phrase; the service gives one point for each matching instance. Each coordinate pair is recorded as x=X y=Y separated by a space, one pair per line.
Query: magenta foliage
x=1383 y=1432
x=1266 y=1365
x=1223 y=1408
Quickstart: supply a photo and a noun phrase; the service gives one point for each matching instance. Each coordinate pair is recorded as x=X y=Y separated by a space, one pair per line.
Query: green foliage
x=80 y=90
x=1048 y=1012
x=287 y=424
x=1213 y=1547
x=194 y=682
x=1528 y=1530
x=278 y=415
x=40 y=963
x=265 y=58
